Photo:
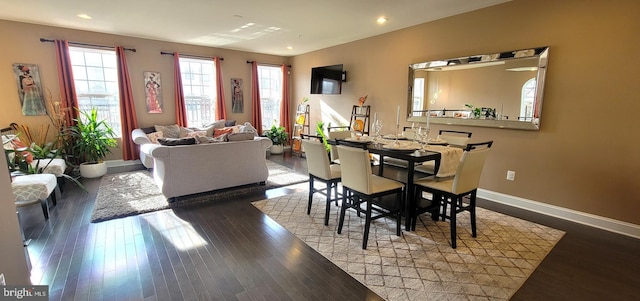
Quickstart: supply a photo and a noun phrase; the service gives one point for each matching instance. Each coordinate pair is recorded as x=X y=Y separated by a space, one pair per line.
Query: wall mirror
x=502 y=90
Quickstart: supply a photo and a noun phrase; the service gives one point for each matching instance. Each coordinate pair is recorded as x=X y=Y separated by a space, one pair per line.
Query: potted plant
x=88 y=143
x=278 y=137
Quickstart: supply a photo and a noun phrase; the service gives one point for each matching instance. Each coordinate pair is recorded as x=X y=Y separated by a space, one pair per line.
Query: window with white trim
x=270 y=78
x=527 y=98
x=199 y=87
x=95 y=74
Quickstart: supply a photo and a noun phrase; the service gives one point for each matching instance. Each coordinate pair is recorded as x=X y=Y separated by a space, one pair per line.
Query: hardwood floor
x=229 y=250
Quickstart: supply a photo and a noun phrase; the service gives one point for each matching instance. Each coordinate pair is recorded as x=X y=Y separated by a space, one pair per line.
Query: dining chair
x=455 y=138
x=335 y=158
x=360 y=186
x=321 y=170
x=453 y=192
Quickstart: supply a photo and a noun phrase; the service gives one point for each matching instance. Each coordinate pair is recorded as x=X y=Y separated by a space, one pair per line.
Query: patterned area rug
x=421 y=265
x=132 y=193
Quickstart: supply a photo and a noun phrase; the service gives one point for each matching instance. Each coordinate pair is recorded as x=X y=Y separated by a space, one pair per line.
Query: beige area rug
x=421 y=265
x=132 y=193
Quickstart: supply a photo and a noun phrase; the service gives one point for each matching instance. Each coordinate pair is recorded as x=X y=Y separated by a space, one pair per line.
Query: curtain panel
x=285 y=116
x=181 y=111
x=256 y=107
x=221 y=111
x=128 y=116
x=65 y=80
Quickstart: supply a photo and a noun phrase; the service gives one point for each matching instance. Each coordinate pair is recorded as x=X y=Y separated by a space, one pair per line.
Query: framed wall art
x=153 y=91
x=29 y=89
x=237 y=103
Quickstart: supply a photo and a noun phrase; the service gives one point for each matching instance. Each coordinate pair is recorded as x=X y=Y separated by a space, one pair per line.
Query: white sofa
x=188 y=169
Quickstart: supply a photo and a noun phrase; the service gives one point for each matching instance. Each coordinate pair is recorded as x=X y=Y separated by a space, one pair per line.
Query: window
x=95 y=74
x=418 y=96
x=270 y=95
x=199 y=87
x=527 y=99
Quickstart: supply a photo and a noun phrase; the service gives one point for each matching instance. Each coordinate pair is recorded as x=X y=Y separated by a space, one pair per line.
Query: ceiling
x=248 y=25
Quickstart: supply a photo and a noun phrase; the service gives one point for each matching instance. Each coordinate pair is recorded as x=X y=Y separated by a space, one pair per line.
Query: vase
x=276 y=149
x=93 y=169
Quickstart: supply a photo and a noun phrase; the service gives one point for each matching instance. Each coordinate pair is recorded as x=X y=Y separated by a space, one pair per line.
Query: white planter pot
x=93 y=169
x=276 y=149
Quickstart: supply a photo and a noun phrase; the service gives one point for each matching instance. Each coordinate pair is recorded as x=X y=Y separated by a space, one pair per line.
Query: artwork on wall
x=29 y=89
x=153 y=91
x=237 y=103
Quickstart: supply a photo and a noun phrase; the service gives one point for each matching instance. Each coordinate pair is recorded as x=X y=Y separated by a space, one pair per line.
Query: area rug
x=421 y=265
x=132 y=193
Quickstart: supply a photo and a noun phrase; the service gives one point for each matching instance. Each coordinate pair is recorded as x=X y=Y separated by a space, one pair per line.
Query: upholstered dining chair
x=452 y=191
x=321 y=170
x=360 y=186
x=455 y=138
x=335 y=158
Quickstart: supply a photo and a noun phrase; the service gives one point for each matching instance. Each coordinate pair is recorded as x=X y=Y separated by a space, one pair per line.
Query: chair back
x=455 y=138
x=356 y=169
x=317 y=159
x=337 y=135
x=467 y=176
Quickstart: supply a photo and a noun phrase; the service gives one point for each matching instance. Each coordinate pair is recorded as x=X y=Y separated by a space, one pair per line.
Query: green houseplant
x=278 y=137
x=88 y=142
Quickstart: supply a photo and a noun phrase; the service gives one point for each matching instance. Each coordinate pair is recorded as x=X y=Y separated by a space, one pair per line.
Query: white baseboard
x=119 y=163
x=592 y=220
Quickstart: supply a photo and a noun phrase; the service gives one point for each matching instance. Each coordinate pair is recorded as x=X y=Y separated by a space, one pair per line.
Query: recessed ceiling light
x=382 y=20
x=84 y=16
x=290 y=47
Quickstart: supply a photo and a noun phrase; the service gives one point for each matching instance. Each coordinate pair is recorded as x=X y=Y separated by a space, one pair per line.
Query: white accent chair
x=360 y=186
x=452 y=191
x=35 y=188
x=321 y=170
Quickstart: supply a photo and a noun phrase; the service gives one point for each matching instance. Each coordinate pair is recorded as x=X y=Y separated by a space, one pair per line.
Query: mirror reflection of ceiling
x=504 y=91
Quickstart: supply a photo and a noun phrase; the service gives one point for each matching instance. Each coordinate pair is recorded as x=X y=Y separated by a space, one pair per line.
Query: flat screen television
x=326 y=80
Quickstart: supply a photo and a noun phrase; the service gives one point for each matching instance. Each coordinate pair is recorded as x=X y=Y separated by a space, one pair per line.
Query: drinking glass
x=422 y=134
x=377 y=127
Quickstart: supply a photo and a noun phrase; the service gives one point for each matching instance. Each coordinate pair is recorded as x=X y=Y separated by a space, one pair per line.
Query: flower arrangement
x=362 y=100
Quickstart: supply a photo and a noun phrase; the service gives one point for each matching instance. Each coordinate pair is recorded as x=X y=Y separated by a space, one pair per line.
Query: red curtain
x=285 y=115
x=181 y=109
x=65 y=78
x=128 y=116
x=256 y=107
x=221 y=111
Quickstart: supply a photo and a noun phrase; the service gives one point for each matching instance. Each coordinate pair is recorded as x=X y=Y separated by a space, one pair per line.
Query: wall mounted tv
x=327 y=79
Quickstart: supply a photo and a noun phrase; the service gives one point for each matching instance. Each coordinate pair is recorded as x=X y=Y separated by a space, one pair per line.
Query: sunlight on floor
x=175 y=230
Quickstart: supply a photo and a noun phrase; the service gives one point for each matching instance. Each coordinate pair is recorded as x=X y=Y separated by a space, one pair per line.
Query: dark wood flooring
x=229 y=250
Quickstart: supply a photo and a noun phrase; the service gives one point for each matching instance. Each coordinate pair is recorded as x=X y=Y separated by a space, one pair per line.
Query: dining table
x=410 y=151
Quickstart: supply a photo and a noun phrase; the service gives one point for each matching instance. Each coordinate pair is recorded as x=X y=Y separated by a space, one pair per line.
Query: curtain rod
x=191 y=56
x=85 y=44
x=270 y=64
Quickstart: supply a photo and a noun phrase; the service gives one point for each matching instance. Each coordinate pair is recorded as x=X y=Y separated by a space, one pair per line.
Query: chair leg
x=55 y=195
x=328 y=204
x=367 y=225
x=453 y=221
x=472 y=211
x=310 y=195
x=45 y=208
x=399 y=214
x=343 y=209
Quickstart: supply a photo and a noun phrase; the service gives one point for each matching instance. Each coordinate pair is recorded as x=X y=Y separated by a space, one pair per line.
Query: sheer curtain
x=285 y=118
x=181 y=113
x=256 y=107
x=65 y=78
x=128 y=116
x=221 y=111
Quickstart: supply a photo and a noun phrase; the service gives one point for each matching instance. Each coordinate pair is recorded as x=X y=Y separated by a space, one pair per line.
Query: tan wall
x=585 y=157
x=21 y=44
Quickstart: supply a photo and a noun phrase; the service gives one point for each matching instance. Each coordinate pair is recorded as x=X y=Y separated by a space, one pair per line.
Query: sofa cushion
x=230 y=123
x=248 y=128
x=221 y=138
x=169 y=131
x=196 y=134
x=218 y=132
x=185 y=131
x=218 y=124
x=155 y=136
x=177 y=141
x=240 y=136
x=149 y=130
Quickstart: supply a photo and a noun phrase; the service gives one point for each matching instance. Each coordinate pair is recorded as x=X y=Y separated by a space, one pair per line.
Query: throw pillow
x=195 y=134
x=230 y=123
x=216 y=124
x=240 y=136
x=155 y=136
x=185 y=131
x=169 y=131
x=149 y=130
x=221 y=138
x=176 y=141
x=248 y=128
x=218 y=132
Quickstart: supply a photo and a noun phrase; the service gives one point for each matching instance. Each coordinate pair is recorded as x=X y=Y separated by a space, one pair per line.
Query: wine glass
x=377 y=127
x=422 y=134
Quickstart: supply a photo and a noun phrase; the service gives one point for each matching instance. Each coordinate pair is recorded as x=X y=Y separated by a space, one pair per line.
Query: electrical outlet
x=511 y=175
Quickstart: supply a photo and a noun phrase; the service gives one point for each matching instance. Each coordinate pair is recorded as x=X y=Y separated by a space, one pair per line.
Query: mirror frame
x=542 y=53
